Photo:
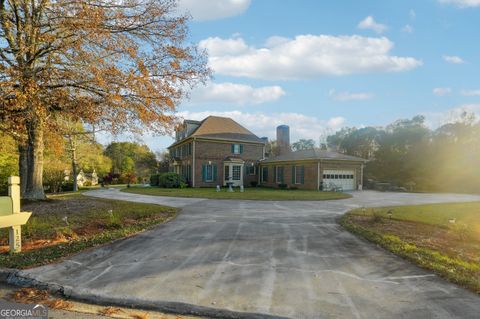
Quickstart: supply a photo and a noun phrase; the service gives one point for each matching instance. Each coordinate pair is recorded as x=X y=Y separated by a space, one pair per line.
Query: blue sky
x=321 y=65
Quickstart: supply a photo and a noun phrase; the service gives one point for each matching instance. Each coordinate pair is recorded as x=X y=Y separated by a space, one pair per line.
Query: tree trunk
x=73 y=150
x=34 y=187
x=22 y=167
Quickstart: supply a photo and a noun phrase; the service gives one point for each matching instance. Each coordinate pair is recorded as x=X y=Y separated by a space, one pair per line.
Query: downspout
x=193 y=162
x=260 y=169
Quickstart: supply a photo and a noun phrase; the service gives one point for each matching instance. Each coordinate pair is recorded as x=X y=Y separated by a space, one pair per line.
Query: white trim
x=230 y=165
x=295 y=176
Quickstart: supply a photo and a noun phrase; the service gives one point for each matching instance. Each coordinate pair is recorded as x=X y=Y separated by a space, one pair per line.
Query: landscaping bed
x=257 y=193
x=68 y=223
x=444 y=238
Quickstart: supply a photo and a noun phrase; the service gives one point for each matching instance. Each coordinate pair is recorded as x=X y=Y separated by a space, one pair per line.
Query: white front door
x=233 y=173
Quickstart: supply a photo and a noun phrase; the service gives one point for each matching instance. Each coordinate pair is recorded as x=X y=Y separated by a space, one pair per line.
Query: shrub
x=87 y=183
x=171 y=180
x=111 y=178
x=282 y=186
x=53 y=179
x=130 y=178
x=293 y=188
x=154 y=180
x=67 y=186
x=254 y=183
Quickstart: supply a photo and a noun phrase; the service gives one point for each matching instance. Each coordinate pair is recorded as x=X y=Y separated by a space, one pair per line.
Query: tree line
x=408 y=154
x=118 y=162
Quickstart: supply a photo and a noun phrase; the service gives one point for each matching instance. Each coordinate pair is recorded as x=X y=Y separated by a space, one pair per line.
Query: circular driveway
x=255 y=259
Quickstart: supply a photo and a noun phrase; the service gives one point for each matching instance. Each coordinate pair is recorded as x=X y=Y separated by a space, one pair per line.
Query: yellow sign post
x=10 y=215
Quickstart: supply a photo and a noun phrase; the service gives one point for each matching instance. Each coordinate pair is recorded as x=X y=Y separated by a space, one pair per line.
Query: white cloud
x=264 y=124
x=442 y=91
x=237 y=94
x=369 y=23
x=213 y=9
x=276 y=41
x=225 y=47
x=453 y=59
x=437 y=119
x=407 y=29
x=412 y=14
x=470 y=92
x=306 y=56
x=462 y=3
x=347 y=96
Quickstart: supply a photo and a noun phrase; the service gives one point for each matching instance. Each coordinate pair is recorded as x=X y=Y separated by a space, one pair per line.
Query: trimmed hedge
x=168 y=180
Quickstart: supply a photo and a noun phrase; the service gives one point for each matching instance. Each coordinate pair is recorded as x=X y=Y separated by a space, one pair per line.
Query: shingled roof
x=313 y=154
x=223 y=128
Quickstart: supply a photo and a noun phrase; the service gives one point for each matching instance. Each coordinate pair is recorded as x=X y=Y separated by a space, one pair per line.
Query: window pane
x=236 y=148
x=209 y=173
x=236 y=170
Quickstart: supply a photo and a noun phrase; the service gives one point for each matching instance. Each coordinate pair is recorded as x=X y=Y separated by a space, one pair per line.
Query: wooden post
x=15 y=232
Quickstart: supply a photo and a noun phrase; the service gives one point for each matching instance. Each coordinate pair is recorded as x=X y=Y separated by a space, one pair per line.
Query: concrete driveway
x=254 y=259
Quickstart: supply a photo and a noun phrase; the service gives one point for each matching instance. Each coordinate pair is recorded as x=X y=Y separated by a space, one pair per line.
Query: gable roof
x=314 y=154
x=222 y=128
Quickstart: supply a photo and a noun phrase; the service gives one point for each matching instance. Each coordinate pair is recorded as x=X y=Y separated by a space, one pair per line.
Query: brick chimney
x=283 y=139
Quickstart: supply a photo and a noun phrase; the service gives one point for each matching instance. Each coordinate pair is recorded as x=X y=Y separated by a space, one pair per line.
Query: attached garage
x=339 y=178
x=322 y=170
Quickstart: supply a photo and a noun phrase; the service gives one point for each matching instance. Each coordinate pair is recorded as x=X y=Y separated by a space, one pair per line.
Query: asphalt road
x=241 y=258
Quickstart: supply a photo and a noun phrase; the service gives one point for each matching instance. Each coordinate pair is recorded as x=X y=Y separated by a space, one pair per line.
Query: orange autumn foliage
x=121 y=65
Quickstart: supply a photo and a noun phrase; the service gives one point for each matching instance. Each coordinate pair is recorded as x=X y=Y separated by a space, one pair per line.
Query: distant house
x=218 y=150
x=83 y=179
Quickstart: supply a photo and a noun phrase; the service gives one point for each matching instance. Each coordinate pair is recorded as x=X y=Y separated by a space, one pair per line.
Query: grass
x=444 y=238
x=249 y=194
x=69 y=223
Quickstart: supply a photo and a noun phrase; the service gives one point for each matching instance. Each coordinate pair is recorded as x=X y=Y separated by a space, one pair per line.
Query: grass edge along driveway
x=443 y=238
x=69 y=223
x=258 y=193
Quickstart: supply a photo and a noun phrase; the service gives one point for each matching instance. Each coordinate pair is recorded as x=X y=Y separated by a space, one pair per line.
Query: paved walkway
x=253 y=259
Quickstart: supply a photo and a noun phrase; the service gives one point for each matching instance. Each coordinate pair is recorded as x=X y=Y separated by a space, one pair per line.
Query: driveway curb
x=14 y=277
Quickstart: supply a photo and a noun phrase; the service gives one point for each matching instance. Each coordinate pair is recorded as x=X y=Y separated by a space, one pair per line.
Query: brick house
x=218 y=150
x=215 y=151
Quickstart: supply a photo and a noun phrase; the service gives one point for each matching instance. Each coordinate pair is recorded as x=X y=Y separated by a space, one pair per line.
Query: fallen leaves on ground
x=143 y=315
x=110 y=311
x=30 y=295
x=58 y=304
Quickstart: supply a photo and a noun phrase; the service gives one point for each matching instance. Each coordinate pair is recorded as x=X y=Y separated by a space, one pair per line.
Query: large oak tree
x=122 y=65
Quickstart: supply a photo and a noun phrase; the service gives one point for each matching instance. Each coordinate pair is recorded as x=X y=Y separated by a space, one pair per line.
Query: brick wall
x=309 y=179
x=310 y=172
x=217 y=152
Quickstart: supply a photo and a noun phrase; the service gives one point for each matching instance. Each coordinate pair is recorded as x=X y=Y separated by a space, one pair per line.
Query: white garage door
x=339 y=178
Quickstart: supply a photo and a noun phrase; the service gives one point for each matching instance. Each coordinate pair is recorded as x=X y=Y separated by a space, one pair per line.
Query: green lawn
x=68 y=223
x=444 y=238
x=435 y=214
x=250 y=193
